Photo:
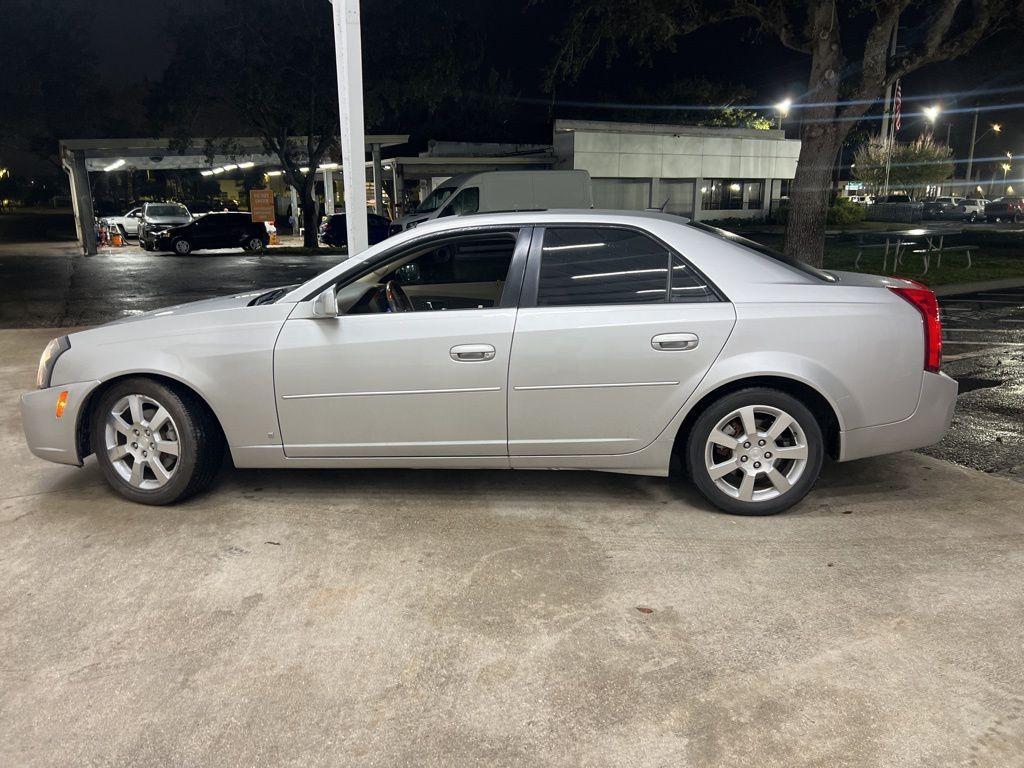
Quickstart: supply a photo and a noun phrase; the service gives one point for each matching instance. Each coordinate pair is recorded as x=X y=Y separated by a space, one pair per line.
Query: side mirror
x=326 y=303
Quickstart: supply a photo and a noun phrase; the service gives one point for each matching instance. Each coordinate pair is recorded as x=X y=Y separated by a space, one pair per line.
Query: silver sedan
x=600 y=340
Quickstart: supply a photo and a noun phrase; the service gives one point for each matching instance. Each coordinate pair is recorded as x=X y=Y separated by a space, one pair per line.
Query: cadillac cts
x=550 y=340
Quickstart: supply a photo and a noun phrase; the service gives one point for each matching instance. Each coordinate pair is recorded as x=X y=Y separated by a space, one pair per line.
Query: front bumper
x=926 y=426
x=49 y=437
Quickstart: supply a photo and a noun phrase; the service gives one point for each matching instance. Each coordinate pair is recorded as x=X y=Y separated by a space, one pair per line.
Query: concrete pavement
x=437 y=618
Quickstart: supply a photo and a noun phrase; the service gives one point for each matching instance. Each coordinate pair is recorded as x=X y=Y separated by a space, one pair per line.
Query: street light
x=1006 y=169
x=782 y=110
x=932 y=113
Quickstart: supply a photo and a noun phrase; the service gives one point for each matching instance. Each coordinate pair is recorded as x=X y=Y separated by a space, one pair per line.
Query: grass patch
x=997 y=258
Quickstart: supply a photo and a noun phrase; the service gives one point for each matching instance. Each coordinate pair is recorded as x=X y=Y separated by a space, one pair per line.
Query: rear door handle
x=674 y=342
x=472 y=353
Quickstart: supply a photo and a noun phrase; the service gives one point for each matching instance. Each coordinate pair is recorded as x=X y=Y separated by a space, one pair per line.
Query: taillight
x=923 y=299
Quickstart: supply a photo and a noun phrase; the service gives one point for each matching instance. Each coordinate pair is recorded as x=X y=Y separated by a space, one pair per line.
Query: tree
x=250 y=65
x=847 y=42
x=912 y=164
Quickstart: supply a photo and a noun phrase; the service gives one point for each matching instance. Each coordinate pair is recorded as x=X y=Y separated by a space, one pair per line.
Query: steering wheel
x=396 y=297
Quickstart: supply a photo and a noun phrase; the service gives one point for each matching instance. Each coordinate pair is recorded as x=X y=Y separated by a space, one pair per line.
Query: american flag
x=897 y=104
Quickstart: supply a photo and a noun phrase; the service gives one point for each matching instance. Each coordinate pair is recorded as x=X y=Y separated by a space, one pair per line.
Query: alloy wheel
x=142 y=443
x=756 y=453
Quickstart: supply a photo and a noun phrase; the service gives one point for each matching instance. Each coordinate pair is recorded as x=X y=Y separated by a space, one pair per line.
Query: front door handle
x=472 y=353
x=674 y=342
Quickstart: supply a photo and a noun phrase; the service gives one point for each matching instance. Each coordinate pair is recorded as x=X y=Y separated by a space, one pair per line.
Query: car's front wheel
x=182 y=247
x=154 y=444
x=254 y=245
x=757 y=451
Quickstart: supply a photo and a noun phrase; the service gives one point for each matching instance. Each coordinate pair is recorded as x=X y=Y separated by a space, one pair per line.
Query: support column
x=328 y=193
x=349 y=58
x=698 y=196
x=296 y=213
x=378 y=180
x=399 y=184
x=81 y=200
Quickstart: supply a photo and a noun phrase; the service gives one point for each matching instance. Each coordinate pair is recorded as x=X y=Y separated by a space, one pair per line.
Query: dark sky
x=131 y=44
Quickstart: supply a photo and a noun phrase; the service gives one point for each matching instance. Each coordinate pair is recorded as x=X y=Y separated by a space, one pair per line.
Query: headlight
x=54 y=349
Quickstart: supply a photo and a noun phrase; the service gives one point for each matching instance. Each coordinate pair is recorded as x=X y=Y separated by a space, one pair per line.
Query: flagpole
x=898 y=101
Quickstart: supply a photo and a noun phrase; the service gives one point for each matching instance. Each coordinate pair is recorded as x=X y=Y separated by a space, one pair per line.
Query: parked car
x=1006 y=209
x=501 y=191
x=942 y=207
x=973 y=208
x=862 y=199
x=333 y=229
x=581 y=340
x=215 y=230
x=157 y=217
x=128 y=223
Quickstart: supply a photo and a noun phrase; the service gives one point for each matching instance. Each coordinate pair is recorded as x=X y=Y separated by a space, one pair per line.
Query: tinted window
x=588 y=266
x=764 y=250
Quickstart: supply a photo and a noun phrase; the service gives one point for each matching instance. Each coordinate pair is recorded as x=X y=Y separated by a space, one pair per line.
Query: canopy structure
x=80 y=157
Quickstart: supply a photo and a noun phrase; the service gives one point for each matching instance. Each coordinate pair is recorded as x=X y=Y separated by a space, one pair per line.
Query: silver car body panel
x=568 y=387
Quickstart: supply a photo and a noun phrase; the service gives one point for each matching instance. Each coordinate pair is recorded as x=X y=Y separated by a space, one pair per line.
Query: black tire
x=199 y=438
x=696 y=452
x=1017 y=218
x=182 y=246
x=253 y=245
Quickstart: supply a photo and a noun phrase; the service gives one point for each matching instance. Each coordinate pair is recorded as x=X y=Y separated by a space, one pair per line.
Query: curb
x=985 y=285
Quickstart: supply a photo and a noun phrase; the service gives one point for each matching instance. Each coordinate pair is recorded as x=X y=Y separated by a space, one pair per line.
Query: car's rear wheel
x=757 y=451
x=154 y=444
x=182 y=247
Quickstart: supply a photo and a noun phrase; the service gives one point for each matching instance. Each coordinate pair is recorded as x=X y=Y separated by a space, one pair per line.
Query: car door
x=421 y=383
x=131 y=221
x=615 y=330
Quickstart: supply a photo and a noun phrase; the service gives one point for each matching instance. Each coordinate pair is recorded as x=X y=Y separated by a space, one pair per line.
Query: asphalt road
x=983 y=348
x=53 y=285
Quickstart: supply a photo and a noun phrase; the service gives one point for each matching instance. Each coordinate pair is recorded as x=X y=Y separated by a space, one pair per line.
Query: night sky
x=129 y=49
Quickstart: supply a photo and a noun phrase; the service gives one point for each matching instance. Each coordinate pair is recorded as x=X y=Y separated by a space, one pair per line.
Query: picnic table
x=929 y=241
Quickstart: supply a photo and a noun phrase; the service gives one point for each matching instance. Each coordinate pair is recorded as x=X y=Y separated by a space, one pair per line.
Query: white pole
x=348 y=53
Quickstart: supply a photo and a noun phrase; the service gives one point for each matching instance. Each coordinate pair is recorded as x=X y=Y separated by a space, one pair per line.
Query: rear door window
x=583 y=266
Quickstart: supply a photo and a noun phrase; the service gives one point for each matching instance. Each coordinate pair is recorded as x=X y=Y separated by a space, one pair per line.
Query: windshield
x=435 y=199
x=166 y=210
x=764 y=250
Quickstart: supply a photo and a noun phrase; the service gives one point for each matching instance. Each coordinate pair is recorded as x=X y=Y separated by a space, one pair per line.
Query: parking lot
x=528 y=618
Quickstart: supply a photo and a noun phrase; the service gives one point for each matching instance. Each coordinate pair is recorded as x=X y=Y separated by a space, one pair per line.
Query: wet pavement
x=983 y=349
x=53 y=285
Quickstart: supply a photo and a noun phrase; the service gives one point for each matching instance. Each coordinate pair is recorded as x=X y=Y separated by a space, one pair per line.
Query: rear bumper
x=926 y=426
x=47 y=436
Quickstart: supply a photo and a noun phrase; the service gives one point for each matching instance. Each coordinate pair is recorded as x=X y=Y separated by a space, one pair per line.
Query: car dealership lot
x=527 y=618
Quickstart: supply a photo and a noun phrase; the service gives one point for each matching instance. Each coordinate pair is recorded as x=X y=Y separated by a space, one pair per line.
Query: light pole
x=1006 y=169
x=993 y=128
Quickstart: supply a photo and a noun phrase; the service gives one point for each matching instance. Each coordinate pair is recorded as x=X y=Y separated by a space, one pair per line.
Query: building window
x=584 y=266
x=730 y=194
x=622 y=194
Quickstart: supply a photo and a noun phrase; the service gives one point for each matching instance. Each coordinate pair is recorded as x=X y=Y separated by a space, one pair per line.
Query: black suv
x=215 y=230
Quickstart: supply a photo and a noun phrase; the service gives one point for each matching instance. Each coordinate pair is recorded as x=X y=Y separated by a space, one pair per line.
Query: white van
x=502 y=191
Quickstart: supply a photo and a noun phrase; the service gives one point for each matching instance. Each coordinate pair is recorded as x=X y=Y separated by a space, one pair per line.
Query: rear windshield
x=764 y=250
x=166 y=210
